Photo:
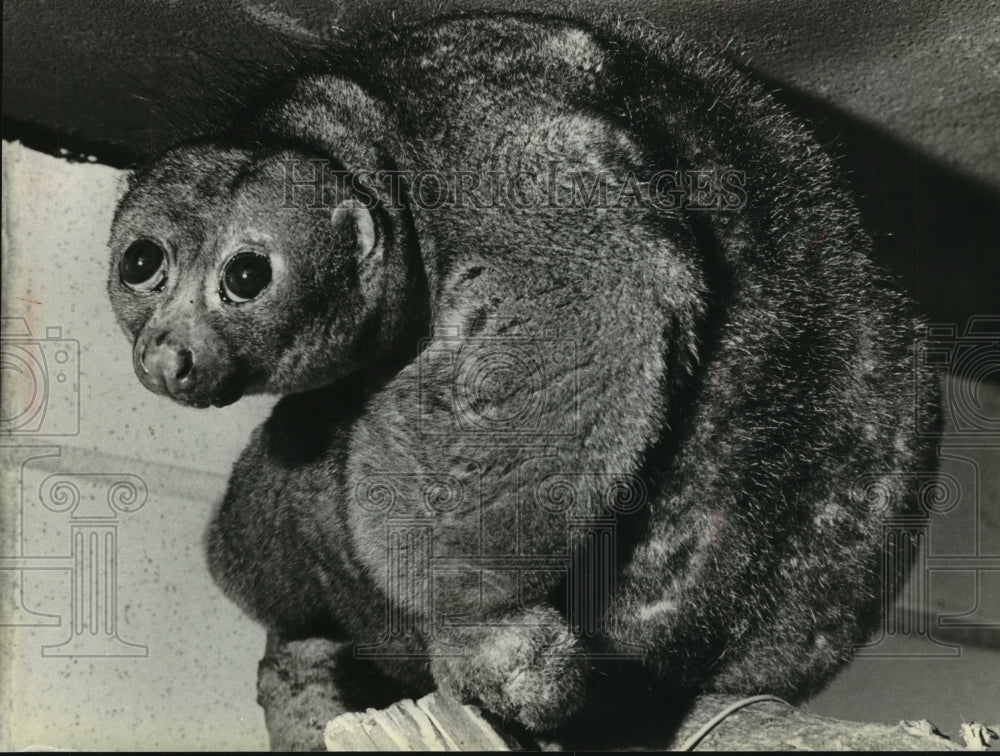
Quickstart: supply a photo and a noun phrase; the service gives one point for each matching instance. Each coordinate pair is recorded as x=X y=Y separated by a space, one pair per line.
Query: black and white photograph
x=466 y=375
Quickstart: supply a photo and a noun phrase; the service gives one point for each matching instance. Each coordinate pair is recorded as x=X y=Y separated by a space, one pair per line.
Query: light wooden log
x=432 y=723
x=304 y=711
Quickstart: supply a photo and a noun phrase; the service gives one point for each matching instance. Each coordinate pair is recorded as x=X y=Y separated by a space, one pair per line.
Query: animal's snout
x=186 y=361
x=169 y=363
x=166 y=363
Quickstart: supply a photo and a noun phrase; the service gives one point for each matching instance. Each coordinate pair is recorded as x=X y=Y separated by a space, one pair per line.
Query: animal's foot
x=526 y=667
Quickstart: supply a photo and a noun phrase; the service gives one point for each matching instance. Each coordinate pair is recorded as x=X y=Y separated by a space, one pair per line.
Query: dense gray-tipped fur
x=746 y=374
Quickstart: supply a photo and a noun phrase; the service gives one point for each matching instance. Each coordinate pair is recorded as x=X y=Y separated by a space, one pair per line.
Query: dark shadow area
x=937 y=230
x=629 y=717
x=123 y=81
x=76 y=148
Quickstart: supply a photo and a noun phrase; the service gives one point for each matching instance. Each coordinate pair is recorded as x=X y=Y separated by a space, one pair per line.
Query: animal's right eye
x=143 y=266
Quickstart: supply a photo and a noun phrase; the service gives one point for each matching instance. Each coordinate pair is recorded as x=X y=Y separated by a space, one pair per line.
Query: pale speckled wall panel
x=195 y=686
x=192 y=686
x=57 y=216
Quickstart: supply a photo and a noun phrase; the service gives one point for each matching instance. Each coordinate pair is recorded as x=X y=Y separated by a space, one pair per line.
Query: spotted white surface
x=195 y=687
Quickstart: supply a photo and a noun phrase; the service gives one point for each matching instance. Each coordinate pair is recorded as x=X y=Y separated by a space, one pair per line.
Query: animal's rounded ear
x=126 y=182
x=352 y=219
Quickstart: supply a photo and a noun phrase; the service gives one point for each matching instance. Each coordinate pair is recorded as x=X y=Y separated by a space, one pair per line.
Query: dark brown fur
x=738 y=371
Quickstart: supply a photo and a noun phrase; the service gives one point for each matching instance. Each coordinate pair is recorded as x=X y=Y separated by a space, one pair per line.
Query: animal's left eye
x=143 y=267
x=244 y=277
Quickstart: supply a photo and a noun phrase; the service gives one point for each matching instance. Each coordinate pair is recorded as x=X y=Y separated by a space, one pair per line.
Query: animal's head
x=237 y=271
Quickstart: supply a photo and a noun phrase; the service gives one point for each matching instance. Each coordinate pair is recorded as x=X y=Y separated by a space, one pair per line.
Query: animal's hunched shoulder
x=583 y=358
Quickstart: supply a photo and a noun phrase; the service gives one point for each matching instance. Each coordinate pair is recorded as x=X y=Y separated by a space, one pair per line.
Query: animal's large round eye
x=245 y=276
x=143 y=267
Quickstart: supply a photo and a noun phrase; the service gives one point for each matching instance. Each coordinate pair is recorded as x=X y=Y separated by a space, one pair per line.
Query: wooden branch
x=432 y=723
x=773 y=726
x=305 y=711
x=437 y=722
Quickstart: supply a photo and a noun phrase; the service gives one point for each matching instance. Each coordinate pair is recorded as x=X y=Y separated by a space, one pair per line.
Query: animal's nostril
x=185 y=363
x=160 y=338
